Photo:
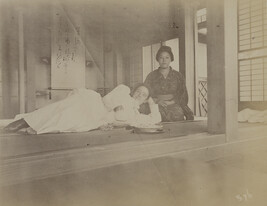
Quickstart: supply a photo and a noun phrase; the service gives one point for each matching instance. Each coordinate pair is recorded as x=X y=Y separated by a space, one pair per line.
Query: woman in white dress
x=85 y=110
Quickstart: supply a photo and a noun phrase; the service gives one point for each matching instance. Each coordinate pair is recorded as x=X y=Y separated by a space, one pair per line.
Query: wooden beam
x=21 y=64
x=231 y=68
x=120 y=70
x=115 y=69
x=252 y=53
x=54 y=162
x=222 y=67
x=4 y=50
x=196 y=45
x=24 y=168
x=30 y=65
x=186 y=50
x=126 y=65
x=181 y=36
x=109 y=66
x=215 y=66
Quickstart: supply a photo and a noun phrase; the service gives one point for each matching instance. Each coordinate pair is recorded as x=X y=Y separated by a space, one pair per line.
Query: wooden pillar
x=4 y=49
x=1 y=64
x=119 y=67
x=30 y=63
x=109 y=66
x=186 y=49
x=108 y=58
x=222 y=67
x=215 y=64
x=5 y=52
x=115 y=71
x=196 y=44
x=231 y=69
x=21 y=63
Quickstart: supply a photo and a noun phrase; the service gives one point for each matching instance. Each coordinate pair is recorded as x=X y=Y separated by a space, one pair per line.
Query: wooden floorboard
x=53 y=155
x=42 y=165
x=18 y=144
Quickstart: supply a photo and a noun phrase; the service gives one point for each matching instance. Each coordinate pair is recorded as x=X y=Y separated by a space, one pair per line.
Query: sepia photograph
x=133 y=102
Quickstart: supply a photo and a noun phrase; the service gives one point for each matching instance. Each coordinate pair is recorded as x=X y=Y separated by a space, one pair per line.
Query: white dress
x=86 y=110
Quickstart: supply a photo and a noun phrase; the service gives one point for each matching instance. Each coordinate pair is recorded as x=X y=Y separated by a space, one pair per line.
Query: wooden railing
x=203 y=97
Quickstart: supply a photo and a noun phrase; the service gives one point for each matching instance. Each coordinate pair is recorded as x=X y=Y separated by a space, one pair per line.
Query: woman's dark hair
x=141 y=85
x=165 y=49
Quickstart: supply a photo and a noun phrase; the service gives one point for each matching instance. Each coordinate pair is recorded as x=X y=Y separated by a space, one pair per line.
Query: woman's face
x=164 y=60
x=141 y=94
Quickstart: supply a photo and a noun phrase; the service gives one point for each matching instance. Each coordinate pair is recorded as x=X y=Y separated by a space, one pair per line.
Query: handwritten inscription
x=244 y=197
x=68 y=51
x=67 y=43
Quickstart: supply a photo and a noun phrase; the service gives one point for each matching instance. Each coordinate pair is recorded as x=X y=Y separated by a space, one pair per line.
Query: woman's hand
x=162 y=103
x=165 y=103
x=170 y=102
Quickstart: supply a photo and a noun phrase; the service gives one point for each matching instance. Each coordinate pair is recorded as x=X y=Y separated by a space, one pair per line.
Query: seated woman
x=85 y=110
x=168 y=89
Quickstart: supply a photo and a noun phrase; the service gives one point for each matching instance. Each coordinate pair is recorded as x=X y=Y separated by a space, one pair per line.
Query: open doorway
x=201 y=90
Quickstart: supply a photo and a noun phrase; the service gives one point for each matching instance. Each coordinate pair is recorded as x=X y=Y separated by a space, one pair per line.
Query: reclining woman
x=85 y=110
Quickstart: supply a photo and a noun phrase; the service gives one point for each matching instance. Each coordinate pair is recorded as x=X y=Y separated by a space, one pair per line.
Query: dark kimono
x=173 y=84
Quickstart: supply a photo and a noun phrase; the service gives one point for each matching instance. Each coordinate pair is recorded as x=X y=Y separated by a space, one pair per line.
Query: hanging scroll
x=68 y=52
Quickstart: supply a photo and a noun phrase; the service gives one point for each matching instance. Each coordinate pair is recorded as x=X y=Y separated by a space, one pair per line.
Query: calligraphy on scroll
x=68 y=52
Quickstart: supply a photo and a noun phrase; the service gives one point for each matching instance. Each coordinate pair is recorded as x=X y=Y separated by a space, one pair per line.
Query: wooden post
x=115 y=69
x=215 y=64
x=196 y=44
x=231 y=68
x=186 y=50
x=30 y=48
x=21 y=64
x=222 y=67
x=5 y=72
x=119 y=64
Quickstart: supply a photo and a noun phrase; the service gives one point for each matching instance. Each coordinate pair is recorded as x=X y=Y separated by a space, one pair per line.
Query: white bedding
x=252 y=116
